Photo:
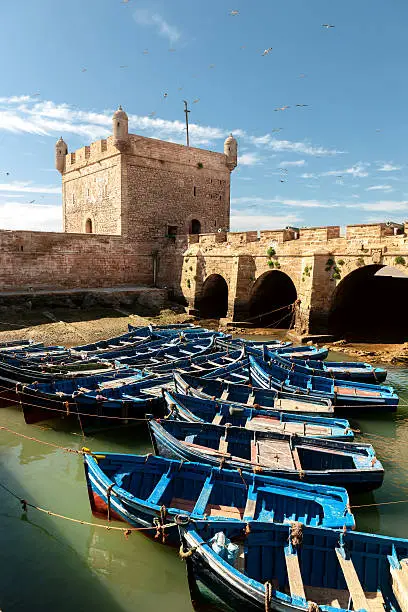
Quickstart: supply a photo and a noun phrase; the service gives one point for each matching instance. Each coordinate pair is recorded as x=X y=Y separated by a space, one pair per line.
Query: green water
x=47 y=563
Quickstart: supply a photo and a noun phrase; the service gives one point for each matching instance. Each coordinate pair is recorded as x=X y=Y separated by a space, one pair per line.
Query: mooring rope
x=125 y=530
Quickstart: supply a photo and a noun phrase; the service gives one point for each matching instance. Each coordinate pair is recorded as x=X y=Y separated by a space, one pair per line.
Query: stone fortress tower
x=144 y=189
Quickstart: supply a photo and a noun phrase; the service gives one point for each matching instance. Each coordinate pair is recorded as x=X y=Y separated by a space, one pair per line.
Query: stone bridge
x=316 y=280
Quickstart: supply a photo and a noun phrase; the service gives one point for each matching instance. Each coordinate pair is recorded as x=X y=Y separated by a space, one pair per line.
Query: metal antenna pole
x=186 y=112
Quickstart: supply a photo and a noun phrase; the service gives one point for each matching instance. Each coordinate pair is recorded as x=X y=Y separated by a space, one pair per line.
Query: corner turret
x=231 y=152
x=61 y=150
x=120 y=128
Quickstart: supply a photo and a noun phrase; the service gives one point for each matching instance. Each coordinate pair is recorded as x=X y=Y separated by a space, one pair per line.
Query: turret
x=120 y=128
x=231 y=152
x=61 y=150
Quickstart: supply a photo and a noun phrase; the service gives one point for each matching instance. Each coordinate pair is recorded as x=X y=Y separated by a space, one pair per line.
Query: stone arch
x=213 y=302
x=89 y=226
x=370 y=305
x=272 y=291
x=195 y=227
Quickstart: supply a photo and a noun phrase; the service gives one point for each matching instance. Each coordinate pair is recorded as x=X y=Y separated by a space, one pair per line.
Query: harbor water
x=48 y=563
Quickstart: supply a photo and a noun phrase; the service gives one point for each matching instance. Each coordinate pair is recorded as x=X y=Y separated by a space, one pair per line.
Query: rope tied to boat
x=185 y=555
x=268 y=595
x=161 y=525
x=108 y=496
x=296 y=534
x=313 y=607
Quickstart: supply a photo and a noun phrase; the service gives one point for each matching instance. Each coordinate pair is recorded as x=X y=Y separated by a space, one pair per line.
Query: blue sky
x=342 y=159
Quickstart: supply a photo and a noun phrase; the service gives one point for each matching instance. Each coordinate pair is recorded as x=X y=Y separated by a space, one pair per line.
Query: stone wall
x=48 y=260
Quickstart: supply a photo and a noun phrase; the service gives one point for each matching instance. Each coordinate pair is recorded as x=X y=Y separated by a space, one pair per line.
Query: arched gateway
x=370 y=304
x=213 y=303
x=271 y=300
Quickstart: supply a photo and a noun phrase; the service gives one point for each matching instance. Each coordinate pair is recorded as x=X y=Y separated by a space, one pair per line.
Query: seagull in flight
x=281 y=108
x=234 y=13
x=171 y=50
x=327 y=25
x=302 y=105
x=31 y=201
x=211 y=66
x=145 y=51
x=165 y=95
x=124 y=66
x=196 y=100
x=152 y=114
x=84 y=69
x=277 y=129
x=267 y=51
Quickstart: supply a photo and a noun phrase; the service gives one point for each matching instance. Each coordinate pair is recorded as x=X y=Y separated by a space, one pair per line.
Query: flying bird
x=124 y=66
x=282 y=108
x=31 y=201
x=145 y=51
x=152 y=114
x=179 y=89
x=165 y=95
x=301 y=105
x=196 y=100
x=7 y=173
x=327 y=25
x=277 y=129
x=36 y=95
x=234 y=13
x=211 y=66
x=267 y=51
x=84 y=69
x=172 y=50
x=302 y=76
x=243 y=47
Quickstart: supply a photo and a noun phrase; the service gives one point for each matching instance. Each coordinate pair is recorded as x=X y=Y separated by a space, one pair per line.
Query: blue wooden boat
x=345 y=394
x=128 y=340
x=110 y=396
x=144 y=491
x=346 y=370
x=20 y=345
x=246 y=395
x=258 y=566
x=163 y=328
x=145 y=349
x=241 y=342
x=314 y=460
x=199 y=410
x=199 y=365
x=304 y=352
x=167 y=353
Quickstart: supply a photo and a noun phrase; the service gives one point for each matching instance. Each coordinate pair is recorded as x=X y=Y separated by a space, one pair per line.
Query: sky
x=336 y=156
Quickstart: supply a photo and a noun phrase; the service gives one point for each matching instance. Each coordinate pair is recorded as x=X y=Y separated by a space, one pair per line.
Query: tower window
x=195 y=227
x=195 y=190
x=88 y=226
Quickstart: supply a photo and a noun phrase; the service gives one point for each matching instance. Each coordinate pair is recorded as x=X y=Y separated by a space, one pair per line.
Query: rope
x=64 y=448
x=268 y=596
x=400 y=501
x=125 y=530
x=264 y=314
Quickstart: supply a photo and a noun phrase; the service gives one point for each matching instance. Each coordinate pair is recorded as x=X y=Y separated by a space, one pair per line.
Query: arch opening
x=273 y=291
x=213 y=303
x=88 y=226
x=195 y=227
x=369 y=305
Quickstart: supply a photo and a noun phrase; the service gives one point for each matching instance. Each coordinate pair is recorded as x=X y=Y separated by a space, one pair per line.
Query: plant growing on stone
x=271 y=263
x=360 y=262
x=200 y=165
x=271 y=252
x=341 y=262
x=399 y=260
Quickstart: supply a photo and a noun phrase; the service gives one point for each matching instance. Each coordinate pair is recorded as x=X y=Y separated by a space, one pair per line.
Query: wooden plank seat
x=231 y=512
x=294 y=575
x=356 y=392
x=263 y=424
x=224 y=395
x=399 y=580
x=275 y=453
x=339 y=598
x=353 y=582
x=295 y=405
x=223 y=445
x=217 y=420
x=184 y=504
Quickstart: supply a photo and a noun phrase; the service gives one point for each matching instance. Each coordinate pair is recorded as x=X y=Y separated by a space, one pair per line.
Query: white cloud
x=257 y=201
x=388 y=167
x=298 y=163
x=145 y=17
x=303 y=148
x=384 y=205
x=380 y=188
x=308 y=175
x=249 y=159
x=22 y=216
x=26 y=187
x=242 y=222
x=358 y=170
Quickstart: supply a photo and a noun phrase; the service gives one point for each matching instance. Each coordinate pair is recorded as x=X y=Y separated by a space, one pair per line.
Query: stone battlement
x=316 y=235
